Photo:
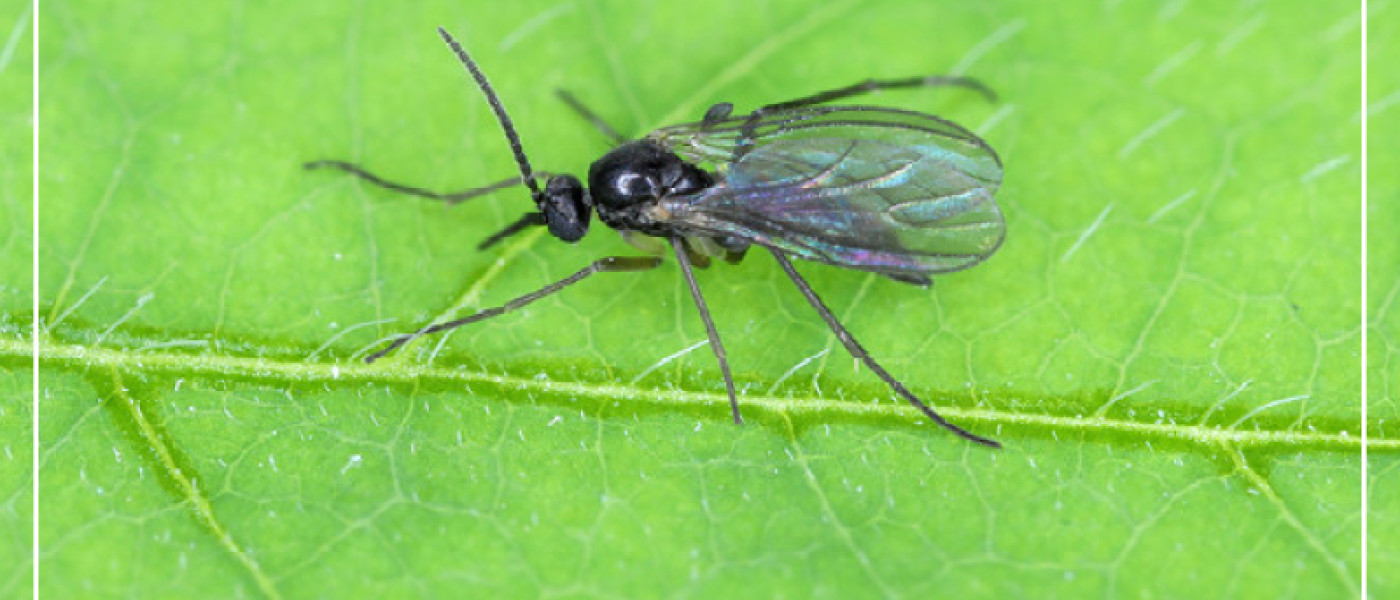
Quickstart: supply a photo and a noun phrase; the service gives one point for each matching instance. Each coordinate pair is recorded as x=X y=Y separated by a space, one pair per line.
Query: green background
x=1383 y=295
x=16 y=277
x=1167 y=344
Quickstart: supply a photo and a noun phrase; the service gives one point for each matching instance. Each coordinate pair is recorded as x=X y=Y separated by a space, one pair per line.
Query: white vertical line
x=1365 y=465
x=34 y=296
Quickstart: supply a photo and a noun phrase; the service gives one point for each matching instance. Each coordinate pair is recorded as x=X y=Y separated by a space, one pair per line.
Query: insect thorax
x=627 y=183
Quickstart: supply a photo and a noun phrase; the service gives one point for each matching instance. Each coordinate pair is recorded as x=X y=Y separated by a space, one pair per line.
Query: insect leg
x=859 y=352
x=450 y=198
x=533 y=219
x=746 y=141
x=611 y=264
x=871 y=85
x=684 y=259
x=590 y=116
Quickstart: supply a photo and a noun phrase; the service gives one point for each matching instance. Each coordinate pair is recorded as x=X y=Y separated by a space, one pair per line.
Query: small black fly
x=894 y=192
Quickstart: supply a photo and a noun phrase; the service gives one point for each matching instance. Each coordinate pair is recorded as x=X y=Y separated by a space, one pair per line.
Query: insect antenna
x=526 y=173
x=527 y=176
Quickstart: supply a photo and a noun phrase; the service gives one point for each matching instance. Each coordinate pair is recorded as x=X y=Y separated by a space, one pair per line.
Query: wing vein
x=869 y=188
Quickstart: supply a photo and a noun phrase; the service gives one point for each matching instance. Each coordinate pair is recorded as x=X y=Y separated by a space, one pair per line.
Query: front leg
x=611 y=264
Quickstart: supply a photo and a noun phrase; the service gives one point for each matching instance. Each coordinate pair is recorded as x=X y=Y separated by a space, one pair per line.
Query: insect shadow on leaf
x=899 y=193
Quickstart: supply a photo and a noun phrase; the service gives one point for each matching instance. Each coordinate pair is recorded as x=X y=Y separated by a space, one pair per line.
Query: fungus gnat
x=894 y=192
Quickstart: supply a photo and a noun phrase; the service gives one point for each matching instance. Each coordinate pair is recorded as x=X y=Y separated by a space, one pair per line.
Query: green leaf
x=1383 y=299
x=16 y=297
x=1168 y=344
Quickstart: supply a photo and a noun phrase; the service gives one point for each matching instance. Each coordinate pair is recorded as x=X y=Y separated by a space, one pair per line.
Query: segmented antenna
x=526 y=173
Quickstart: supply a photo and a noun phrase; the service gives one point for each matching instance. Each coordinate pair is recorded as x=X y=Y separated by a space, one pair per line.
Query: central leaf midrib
x=59 y=354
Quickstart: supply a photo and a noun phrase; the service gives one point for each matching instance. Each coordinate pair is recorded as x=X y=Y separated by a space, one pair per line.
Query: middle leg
x=683 y=258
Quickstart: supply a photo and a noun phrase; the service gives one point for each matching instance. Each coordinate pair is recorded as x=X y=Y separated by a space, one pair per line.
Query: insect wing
x=869 y=188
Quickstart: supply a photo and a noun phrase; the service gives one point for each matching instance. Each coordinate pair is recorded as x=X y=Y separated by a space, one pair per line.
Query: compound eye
x=565 y=207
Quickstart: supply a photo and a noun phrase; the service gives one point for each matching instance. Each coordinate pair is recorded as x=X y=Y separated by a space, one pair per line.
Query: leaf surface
x=1167 y=344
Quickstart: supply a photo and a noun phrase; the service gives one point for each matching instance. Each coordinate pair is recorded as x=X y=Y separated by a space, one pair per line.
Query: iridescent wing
x=877 y=189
